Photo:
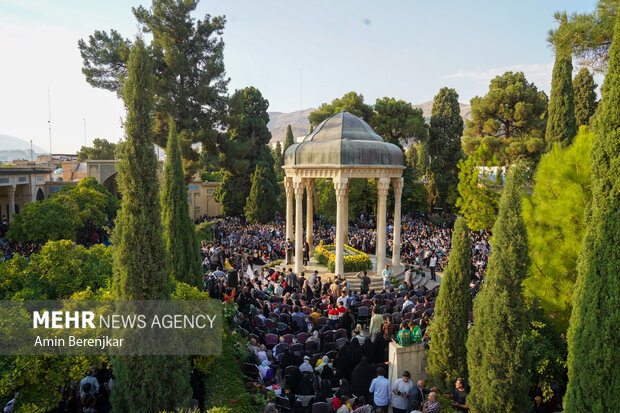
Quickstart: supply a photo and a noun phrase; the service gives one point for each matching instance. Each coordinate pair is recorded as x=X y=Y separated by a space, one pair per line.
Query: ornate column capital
x=299 y=185
x=341 y=186
x=397 y=184
x=383 y=185
x=309 y=185
x=288 y=186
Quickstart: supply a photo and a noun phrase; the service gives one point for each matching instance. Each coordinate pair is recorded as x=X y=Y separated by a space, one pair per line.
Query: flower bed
x=354 y=260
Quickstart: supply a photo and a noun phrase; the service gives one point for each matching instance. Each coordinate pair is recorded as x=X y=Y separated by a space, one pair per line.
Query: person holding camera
x=402 y=390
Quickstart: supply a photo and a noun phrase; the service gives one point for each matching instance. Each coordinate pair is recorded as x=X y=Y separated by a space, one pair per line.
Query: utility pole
x=49 y=118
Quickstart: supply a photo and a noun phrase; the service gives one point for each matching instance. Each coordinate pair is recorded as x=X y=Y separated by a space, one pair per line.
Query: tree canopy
x=585 y=97
x=101 y=149
x=398 y=122
x=554 y=216
x=351 y=102
x=510 y=119
x=589 y=35
x=593 y=336
x=245 y=146
x=190 y=83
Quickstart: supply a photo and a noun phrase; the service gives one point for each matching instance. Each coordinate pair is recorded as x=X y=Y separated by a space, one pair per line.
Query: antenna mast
x=49 y=117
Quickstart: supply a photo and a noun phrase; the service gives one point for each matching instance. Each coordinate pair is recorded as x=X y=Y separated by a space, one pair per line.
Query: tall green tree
x=398 y=122
x=289 y=139
x=477 y=202
x=588 y=34
x=510 y=119
x=190 y=83
x=101 y=149
x=140 y=267
x=593 y=336
x=585 y=97
x=447 y=355
x=444 y=145
x=178 y=229
x=278 y=155
x=561 y=126
x=554 y=216
x=497 y=357
x=351 y=102
x=246 y=144
x=257 y=206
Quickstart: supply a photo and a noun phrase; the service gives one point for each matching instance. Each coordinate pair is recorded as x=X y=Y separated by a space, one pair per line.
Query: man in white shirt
x=386 y=274
x=402 y=390
x=432 y=265
x=94 y=384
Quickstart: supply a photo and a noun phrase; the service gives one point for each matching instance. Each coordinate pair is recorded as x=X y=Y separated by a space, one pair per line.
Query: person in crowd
x=381 y=389
x=376 y=322
x=419 y=393
x=364 y=283
x=306 y=366
x=401 y=390
x=386 y=276
x=459 y=396
x=432 y=405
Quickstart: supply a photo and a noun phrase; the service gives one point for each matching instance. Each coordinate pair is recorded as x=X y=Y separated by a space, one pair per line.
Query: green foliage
x=362 y=197
x=190 y=81
x=60 y=269
x=547 y=350
x=288 y=140
x=258 y=207
x=497 y=357
x=244 y=148
x=224 y=387
x=51 y=219
x=101 y=149
x=593 y=336
x=588 y=34
x=417 y=199
x=278 y=160
x=327 y=199
x=554 y=216
x=140 y=257
x=398 y=122
x=561 y=126
x=351 y=102
x=444 y=143
x=510 y=119
x=64 y=213
x=477 y=202
x=585 y=97
x=178 y=229
x=39 y=378
x=447 y=355
x=204 y=230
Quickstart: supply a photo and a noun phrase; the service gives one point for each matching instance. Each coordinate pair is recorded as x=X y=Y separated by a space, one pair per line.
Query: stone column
x=309 y=214
x=298 y=185
x=288 y=186
x=341 y=185
x=11 y=202
x=345 y=226
x=383 y=185
x=397 y=184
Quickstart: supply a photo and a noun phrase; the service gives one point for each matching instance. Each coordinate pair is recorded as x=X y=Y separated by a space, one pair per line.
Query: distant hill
x=427 y=106
x=298 y=120
x=12 y=148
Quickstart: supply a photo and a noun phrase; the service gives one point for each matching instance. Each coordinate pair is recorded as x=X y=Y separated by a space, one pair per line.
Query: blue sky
x=298 y=53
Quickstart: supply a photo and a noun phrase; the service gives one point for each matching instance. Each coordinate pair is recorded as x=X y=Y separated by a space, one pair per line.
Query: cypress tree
x=139 y=264
x=561 y=127
x=585 y=97
x=447 y=356
x=257 y=206
x=178 y=229
x=594 y=336
x=278 y=155
x=444 y=143
x=496 y=347
x=289 y=140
